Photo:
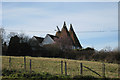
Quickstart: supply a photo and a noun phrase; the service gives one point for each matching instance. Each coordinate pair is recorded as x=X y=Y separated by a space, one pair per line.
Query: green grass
x=53 y=66
x=25 y=75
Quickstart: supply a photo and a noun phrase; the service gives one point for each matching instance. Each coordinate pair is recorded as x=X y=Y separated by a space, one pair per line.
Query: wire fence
x=62 y=67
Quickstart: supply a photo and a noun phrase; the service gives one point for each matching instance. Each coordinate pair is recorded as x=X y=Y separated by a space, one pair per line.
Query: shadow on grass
x=25 y=75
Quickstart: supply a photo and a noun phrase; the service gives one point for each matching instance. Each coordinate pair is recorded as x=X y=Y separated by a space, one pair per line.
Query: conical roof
x=64 y=31
x=70 y=35
x=65 y=34
x=58 y=33
x=74 y=37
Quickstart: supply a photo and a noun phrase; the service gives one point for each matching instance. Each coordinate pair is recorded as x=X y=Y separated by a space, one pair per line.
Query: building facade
x=63 y=37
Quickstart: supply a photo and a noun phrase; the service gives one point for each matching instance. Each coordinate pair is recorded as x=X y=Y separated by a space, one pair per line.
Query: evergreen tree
x=13 y=48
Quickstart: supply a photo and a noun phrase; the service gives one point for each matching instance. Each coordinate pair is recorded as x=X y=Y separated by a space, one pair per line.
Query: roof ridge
x=71 y=28
x=37 y=37
x=74 y=36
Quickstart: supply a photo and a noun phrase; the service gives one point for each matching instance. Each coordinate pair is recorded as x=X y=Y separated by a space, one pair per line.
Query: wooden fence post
x=118 y=70
x=66 y=68
x=30 y=66
x=61 y=67
x=103 y=70
x=81 y=69
x=10 y=63
x=24 y=63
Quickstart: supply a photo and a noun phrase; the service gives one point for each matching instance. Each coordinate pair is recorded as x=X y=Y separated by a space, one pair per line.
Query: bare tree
x=2 y=34
x=0 y=43
x=108 y=49
x=23 y=38
x=11 y=34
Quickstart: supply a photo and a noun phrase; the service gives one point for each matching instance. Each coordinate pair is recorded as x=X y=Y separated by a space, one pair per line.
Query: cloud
x=41 y=19
x=0 y=14
x=60 y=0
x=28 y=19
x=99 y=41
x=112 y=45
x=22 y=12
x=38 y=17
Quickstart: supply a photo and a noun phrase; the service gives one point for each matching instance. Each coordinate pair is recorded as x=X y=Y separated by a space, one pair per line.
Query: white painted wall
x=34 y=42
x=47 y=40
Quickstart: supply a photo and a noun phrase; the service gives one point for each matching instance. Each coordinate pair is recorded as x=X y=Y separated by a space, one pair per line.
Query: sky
x=95 y=23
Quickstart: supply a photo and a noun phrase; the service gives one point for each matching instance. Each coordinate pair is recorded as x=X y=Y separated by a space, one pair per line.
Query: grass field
x=53 y=66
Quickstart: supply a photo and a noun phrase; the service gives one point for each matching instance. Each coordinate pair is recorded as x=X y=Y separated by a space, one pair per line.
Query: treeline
x=24 y=46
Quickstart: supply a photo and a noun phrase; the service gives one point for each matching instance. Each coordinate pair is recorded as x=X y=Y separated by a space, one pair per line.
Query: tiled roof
x=58 y=33
x=52 y=36
x=74 y=37
x=40 y=39
x=69 y=34
x=65 y=33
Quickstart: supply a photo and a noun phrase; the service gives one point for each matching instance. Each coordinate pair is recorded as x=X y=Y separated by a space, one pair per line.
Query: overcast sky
x=41 y=18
